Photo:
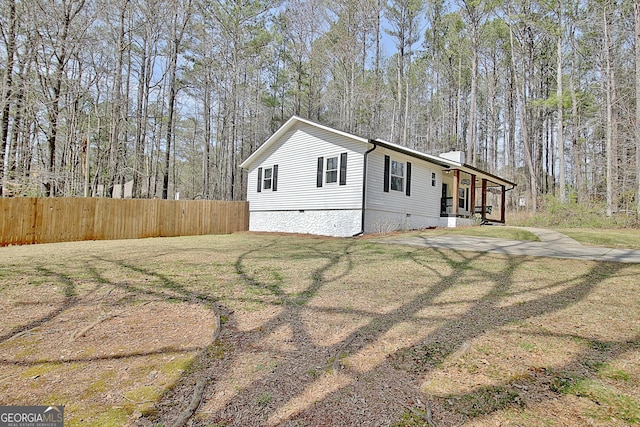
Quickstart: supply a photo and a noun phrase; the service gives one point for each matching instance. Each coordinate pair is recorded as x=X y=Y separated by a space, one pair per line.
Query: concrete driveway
x=552 y=244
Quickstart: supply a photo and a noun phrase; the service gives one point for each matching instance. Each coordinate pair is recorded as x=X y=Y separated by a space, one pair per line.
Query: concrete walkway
x=552 y=244
x=550 y=236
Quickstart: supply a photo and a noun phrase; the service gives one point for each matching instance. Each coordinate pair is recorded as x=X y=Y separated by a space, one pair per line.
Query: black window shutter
x=259 y=180
x=343 y=169
x=274 y=185
x=319 y=177
x=387 y=170
x=466 y=200
x=408 y=189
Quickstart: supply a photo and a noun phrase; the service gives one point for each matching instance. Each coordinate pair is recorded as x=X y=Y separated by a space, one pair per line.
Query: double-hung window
x=268 y=178
x=332 y=170
x=463 y=196
x=268 y=175
x=397 y=176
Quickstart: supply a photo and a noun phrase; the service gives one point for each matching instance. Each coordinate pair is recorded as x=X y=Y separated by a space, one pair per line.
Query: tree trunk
x=524 y=130
x=19 y=136
x=458 y=111
x=141 y=120
x=170 y=119
x=50 y=185
x=562 y=190
x=116 y=109
x=177 y=35
x=473 y=115
x=575 y=122
x=61 y=46
x=609 y=95
x=636 y=15
x=7 y=84
x=395 y=130
x=511 y=121
x=206 y=157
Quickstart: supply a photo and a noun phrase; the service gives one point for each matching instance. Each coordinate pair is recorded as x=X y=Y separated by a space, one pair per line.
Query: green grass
x=412 y=418
x=484 y=231
x=611 y=238
x=263 y=399
x=610 y=404
x=606 y=371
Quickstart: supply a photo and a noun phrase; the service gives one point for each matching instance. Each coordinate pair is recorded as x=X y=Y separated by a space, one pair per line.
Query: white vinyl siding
x=424 y=199
x=296 y=153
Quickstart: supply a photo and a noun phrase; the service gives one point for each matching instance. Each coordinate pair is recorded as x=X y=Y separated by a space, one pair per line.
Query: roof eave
x=449 y=164
x=491 y=176
x=285 y=127
x=414 y=153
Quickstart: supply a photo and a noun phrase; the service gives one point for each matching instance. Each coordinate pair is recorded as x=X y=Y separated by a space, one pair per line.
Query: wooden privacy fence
x=47 y=220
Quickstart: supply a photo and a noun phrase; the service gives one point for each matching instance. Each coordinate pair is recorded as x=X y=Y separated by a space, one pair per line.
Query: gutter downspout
x=364 y=185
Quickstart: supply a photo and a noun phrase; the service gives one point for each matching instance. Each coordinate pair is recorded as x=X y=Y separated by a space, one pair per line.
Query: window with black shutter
x=332 y=170
x=267 y=179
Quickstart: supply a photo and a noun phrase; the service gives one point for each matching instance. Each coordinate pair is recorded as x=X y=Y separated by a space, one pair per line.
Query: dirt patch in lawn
x=106 y=352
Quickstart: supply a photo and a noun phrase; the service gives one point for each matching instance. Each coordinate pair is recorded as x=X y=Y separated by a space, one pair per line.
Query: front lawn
x=628 y=238
x=316 y=331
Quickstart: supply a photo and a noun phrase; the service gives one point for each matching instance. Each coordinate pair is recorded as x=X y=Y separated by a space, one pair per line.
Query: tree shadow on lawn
x=70 y=299
x=87 y=363
x=70 y=291
x=280 y=373
x=583 y=377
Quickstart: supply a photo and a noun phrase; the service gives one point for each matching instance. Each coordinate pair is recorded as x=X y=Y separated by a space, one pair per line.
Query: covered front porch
x=470 y=195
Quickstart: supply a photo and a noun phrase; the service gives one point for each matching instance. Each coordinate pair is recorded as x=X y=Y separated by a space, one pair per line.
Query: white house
x=310 y=178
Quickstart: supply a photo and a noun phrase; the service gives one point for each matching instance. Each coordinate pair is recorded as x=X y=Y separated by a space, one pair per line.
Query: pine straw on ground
x=339 y=332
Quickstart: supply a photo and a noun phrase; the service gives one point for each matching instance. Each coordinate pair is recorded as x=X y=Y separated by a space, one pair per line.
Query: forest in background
x=172 y=95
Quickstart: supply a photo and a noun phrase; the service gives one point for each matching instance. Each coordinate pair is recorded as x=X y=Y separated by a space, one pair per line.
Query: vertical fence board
x=25 y=220
x=36 y=228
